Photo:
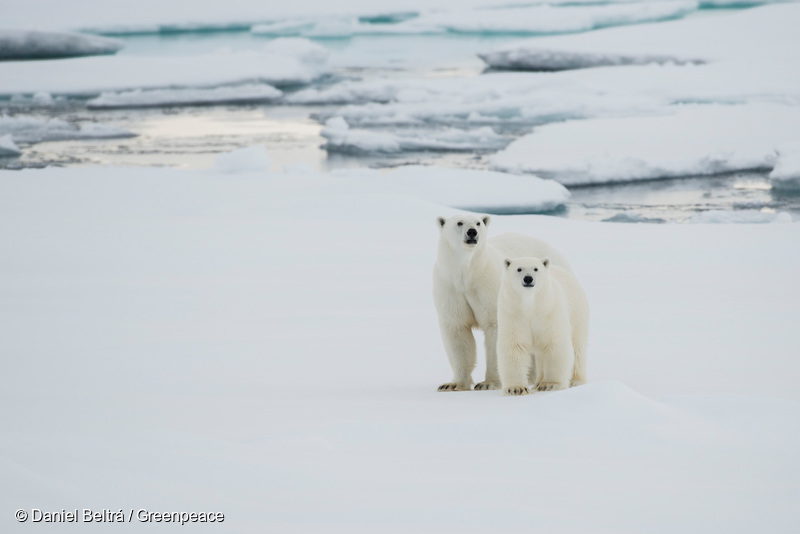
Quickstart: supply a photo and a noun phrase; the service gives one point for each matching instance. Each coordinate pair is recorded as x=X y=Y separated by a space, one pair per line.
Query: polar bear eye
x=478 y=224
x=535 y=269
x=519 y=270
x=461 y=224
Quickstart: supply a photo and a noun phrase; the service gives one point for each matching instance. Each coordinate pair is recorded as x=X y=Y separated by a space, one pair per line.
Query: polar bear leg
x=459 y=343
x=513 y=364
x=492 y=380
x=555 y=366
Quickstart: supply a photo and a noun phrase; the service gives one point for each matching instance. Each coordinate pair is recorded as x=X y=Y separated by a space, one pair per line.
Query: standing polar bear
x=543 y=327
x=466 y=282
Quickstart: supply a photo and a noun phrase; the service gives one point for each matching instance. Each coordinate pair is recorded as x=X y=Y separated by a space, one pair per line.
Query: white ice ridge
x=30 y=130
x=528 y=19
x=340 y=138
x=278 y=63
x=786 y=174
x=693 y=140
x=139 y=98
x=32 y=44
x=769 y=31
x=7 y=146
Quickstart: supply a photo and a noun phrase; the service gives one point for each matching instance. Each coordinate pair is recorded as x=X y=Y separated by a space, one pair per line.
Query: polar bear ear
x=441 y=221
x=508 y=263
x=546 y=262
x=486 y=220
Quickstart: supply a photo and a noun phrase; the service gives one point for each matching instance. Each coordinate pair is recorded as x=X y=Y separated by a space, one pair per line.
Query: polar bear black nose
x=528 y=279
x=472 y=232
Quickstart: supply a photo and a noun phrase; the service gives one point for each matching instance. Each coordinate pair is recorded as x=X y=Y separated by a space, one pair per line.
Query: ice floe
x=30 y=130
x=341 y=138
x=235 y=94
x=693 y=140
x=33 y=44
x=786 y=174
x=765 y=32
x=8 y=147
x=279 y=64
x=522 y=19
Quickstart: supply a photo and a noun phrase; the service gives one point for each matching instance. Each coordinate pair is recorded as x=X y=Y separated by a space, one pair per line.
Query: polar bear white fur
x=466 y=281
x=543 y=327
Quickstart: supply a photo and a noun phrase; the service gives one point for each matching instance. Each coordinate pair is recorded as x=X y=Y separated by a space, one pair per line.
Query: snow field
x=268 y=348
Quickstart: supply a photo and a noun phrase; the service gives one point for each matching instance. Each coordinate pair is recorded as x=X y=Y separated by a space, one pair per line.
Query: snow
x=693 y=141
x=189 y=341
x=31 y=44
x=786 y=174
x=527 y=19
x=30 y=130
x=236 y=94
x=767 y=32
x=250 y=159
x=275 y=64
x=7 y=146
x=340 y=138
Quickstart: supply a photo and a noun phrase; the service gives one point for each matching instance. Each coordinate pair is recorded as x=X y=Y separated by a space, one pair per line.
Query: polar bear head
x=525 y=273
x=464 y=230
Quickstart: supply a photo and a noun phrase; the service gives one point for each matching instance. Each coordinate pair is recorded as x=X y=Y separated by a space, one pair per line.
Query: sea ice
x=137 y=98
x=520 y=19
x=692 y=140
x=277 y=64
x=32 y=44
x=764 y=32
x=340 y=138
x=7 y=146
x=169 y=309
x=30 y=130
x=786 y=174
x=529 y=98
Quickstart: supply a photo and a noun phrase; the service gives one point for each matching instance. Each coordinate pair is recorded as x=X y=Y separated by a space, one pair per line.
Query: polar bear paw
x=481 y=386
x=452 y=386
x=517 y=390
x=549 y=386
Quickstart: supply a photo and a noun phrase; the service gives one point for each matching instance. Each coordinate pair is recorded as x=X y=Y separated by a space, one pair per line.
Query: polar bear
x=543 y=327
x=466 y=281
